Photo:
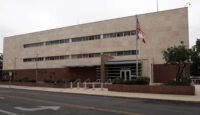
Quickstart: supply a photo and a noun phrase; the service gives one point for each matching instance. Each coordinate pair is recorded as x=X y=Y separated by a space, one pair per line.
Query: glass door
x=125 y=74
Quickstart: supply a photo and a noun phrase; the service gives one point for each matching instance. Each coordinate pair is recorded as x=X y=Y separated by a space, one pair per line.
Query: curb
x=169 y=100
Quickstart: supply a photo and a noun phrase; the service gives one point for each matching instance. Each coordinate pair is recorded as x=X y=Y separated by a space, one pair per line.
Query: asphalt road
x=26 y=102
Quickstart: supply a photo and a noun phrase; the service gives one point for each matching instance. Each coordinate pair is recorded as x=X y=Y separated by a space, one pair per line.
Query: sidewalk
x=105 y=92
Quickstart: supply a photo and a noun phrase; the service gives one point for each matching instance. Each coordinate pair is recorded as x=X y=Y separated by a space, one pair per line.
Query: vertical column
x=101 y=36
x=70 y=40
x=103 y=74
x=104 y=58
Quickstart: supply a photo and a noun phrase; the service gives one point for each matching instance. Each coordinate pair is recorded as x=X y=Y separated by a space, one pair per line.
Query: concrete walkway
x=105 y=92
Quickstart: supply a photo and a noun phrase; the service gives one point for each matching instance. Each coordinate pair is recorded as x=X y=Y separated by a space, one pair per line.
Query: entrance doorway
x=125 y=74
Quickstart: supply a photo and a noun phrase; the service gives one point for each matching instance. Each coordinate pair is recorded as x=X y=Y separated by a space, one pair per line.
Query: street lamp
x=187 y=4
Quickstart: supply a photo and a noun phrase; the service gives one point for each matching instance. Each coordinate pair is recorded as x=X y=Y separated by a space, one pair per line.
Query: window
x=57 y=57
x=121 y=53
x=57 y=42
x=33 y=59
x=133 y=32
x=86 y=38
x=119 y=34
x=128 y=33
x=74 y=56
x=91 y=55
x=39 y=59
x=34 y=45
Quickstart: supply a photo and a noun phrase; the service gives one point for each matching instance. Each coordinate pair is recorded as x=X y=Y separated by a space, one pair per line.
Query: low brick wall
x=179 y=90
x=60 y=85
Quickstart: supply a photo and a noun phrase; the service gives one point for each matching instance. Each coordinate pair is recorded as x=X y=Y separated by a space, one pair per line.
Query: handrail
x=77 y=80
x=109 y=80
x=98 y=80
x=87 y=80
x=85 y=84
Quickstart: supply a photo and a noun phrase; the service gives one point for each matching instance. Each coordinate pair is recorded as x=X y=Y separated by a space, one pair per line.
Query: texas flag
x=140 y=33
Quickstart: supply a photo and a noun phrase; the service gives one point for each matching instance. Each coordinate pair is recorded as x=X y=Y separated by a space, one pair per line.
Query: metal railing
x=87 y=85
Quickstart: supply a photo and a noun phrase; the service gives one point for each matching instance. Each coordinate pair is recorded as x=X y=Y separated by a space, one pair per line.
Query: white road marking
x=7 y=112
x=2 y=97
x=55 y=108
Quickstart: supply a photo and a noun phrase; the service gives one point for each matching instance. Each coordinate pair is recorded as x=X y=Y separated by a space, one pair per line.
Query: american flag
x=140 y=33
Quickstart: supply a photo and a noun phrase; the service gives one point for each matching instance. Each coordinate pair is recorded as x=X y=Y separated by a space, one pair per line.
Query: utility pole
x=36 y=65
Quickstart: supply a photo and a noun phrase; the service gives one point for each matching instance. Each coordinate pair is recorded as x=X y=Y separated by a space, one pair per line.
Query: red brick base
x=60 y=85
x=55 y=74
x=179 y=90
x=164 y=73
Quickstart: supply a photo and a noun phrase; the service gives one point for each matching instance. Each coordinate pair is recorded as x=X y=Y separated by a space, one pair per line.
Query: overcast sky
x=25 y=16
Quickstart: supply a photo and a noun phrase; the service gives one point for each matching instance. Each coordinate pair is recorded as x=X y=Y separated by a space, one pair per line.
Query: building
x=99 y=50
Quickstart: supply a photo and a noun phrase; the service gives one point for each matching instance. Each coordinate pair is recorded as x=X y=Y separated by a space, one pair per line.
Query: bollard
x=78 y=85
x=85 y=85
x=101 y=86
x=93 y=86
x=71 y=85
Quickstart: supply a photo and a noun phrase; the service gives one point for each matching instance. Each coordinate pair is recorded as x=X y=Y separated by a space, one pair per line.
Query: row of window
x=46 y=58
x=121 y=53
x=119 y=34
x=57 y=42
x=86 y=38
x=57 y=57
x=34 y=45
x=79 y=39
x=92 y=55
x=33 y=59
x=80 y=56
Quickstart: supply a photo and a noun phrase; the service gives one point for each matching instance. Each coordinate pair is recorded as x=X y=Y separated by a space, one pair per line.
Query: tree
x=177 y=55
x=195 y=58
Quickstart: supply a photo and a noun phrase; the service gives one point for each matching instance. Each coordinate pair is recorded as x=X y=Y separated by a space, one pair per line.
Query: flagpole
x=136 y=49
x=157 y=5
x=136 y=57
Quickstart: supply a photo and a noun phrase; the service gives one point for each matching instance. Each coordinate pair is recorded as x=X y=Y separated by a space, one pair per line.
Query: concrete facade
x=162 y=30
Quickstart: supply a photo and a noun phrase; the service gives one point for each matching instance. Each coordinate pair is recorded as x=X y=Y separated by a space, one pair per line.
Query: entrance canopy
x=122 y=62
x=78 y=66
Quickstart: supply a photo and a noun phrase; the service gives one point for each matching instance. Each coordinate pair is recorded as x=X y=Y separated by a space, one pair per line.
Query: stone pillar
x=104 y=58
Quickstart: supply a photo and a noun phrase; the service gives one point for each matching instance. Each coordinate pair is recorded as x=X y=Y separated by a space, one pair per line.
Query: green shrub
x=171 y=82
x=25 y=78
x=72 y=80
x=137 y=81
x=62 y=81
x=142 y=80
x=183 y=81
x=4 y=80
x=118 y=81
x=48 y=81
x=130 y=82
x=32 y=81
